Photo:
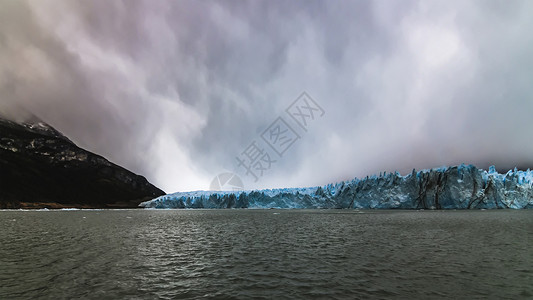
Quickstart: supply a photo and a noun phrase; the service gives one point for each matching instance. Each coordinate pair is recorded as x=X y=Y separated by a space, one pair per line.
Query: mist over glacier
x=458 y=187
x=175 y=90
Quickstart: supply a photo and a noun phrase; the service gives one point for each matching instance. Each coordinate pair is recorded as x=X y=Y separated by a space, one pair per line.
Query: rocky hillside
x=40 y=167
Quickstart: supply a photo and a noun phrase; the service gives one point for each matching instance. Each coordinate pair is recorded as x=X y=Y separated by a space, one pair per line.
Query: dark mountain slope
x=40 y=167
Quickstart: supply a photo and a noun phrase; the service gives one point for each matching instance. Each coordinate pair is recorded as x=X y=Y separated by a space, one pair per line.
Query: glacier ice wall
x=458 y=187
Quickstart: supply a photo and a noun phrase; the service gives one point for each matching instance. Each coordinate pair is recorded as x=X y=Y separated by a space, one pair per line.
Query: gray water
x=272 y=254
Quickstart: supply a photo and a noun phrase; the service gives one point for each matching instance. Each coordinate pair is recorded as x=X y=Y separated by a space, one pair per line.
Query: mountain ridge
x=42 y=168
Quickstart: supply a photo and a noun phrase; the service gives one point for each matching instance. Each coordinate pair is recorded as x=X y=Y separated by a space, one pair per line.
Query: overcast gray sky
x=176 y=90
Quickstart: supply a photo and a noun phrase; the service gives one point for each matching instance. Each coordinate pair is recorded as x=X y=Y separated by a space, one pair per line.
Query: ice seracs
x=458 y=187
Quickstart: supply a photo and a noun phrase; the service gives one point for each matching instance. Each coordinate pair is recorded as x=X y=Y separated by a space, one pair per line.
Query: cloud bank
x=176 y=90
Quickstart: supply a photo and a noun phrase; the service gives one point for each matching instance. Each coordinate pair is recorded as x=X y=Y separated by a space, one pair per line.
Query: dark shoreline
x=55 y=205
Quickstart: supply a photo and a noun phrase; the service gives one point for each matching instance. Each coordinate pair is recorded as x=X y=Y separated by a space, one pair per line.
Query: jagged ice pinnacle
x=458 y=187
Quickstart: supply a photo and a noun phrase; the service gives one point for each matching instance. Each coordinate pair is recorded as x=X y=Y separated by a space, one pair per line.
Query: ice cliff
x=459 y=187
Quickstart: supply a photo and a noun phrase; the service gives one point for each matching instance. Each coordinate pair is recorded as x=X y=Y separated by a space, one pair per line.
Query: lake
x=266 y=254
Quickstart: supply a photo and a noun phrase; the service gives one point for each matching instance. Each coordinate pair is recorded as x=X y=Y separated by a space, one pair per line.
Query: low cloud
x=176 y=90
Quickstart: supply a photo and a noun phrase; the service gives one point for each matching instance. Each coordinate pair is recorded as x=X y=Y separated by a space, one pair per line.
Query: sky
x=180 y=91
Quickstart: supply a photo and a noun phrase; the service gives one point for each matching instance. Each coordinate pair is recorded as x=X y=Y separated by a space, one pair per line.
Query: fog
x=176 y=91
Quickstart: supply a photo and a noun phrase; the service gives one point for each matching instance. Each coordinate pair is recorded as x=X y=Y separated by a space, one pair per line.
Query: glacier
x=457 y=187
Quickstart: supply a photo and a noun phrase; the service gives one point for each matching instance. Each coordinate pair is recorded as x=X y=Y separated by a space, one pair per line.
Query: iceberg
x=457 y=187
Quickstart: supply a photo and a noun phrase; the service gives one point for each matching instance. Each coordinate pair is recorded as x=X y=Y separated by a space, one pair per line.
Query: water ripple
x=255 y=254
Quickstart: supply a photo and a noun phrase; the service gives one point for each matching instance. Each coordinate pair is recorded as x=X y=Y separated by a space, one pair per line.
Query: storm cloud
x=176 y=90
